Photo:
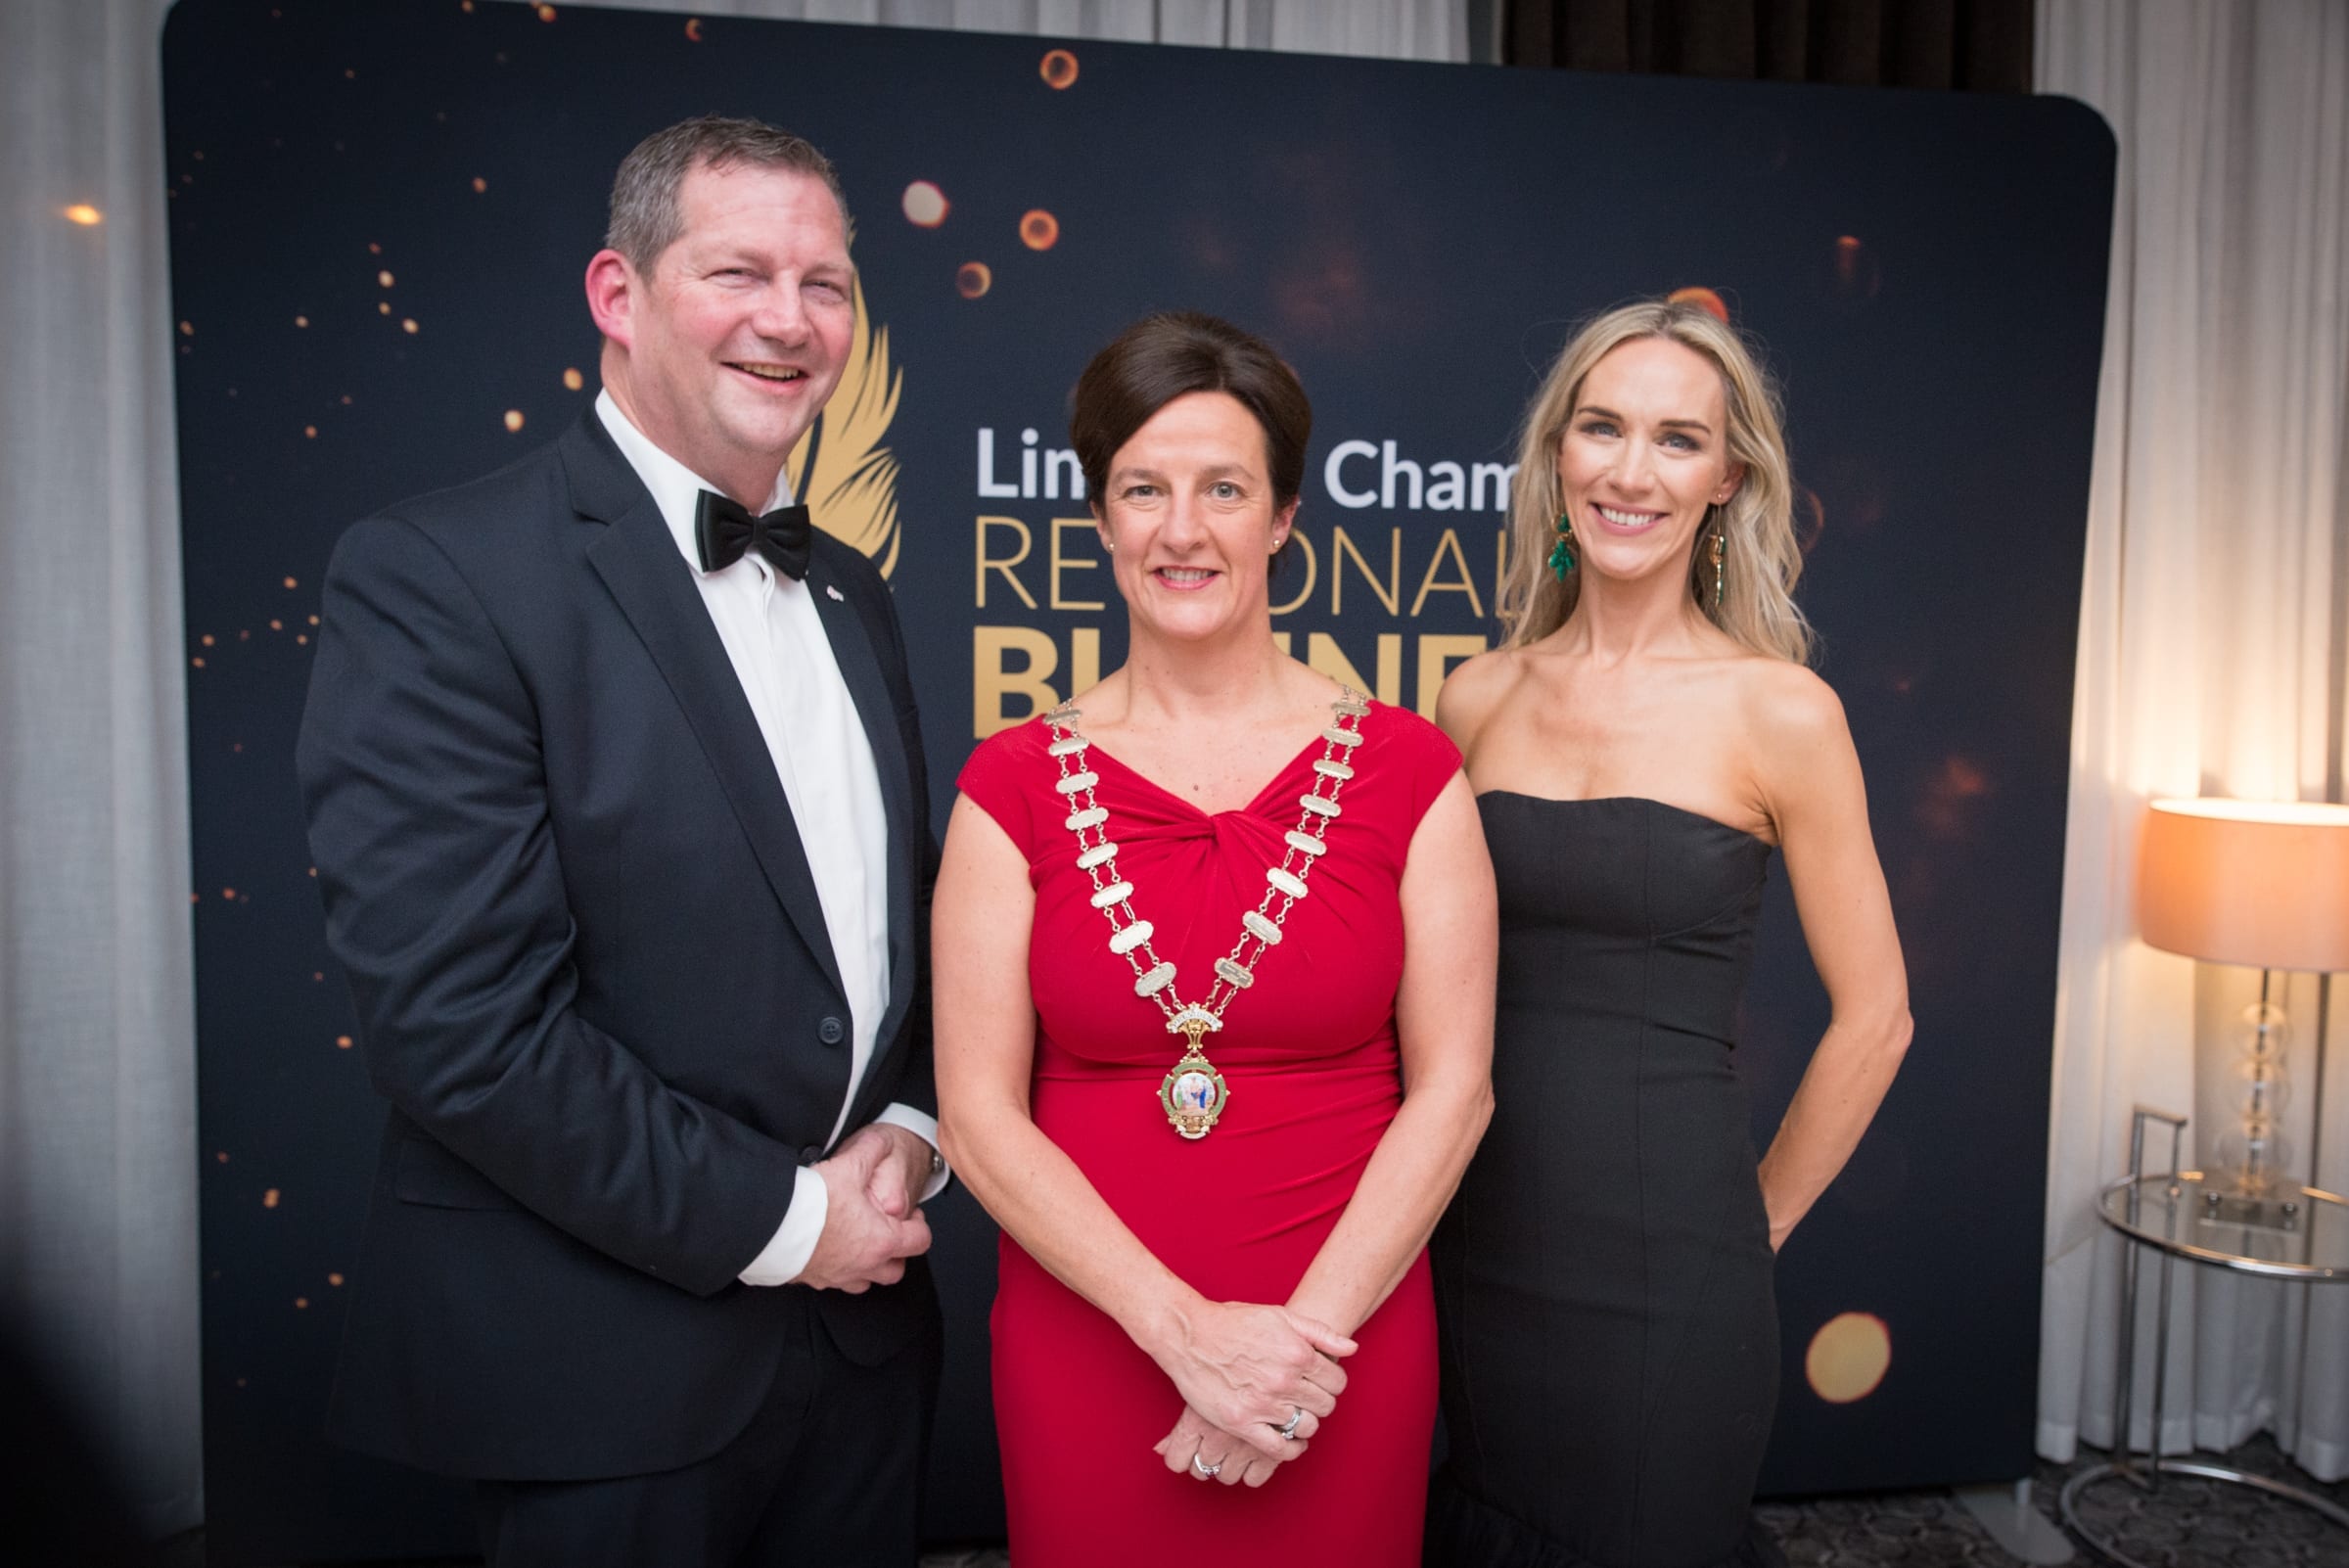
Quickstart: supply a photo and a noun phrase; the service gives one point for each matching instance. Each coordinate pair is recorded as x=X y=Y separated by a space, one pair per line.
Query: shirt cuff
x=782 y=1259
x=924 y=1126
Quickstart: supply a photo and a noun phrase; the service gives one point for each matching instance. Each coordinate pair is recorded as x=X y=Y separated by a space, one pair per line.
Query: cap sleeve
x=1007 y=776
x=1422 y=754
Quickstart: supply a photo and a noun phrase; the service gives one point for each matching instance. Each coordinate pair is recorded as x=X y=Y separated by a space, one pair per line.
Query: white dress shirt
x=783 y=657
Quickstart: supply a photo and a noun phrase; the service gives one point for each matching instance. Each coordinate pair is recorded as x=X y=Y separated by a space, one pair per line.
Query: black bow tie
x=723 y=528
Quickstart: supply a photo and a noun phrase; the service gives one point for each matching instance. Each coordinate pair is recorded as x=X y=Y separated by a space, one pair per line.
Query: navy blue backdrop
x=381 y=213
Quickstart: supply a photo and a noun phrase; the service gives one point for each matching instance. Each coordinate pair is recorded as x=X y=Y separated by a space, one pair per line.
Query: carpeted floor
x=2186 y=1524
x=2203 y=1524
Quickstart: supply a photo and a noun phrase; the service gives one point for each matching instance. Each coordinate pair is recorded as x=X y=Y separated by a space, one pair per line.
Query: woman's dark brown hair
x=1172 y=354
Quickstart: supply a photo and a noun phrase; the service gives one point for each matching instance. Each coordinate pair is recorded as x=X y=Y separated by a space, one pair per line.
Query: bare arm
x=1244 y=1366
x=1810 y=778
x=1444 y=1017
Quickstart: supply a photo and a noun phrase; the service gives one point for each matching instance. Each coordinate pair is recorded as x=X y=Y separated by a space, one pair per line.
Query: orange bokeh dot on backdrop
x=1703 y=298
x=1848 y=1356
x=972 y=279
x=1059 y=69
x=1039 y=230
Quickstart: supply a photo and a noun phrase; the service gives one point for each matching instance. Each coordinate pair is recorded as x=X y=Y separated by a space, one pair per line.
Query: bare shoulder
x=1475 y=691
x=1790 y=708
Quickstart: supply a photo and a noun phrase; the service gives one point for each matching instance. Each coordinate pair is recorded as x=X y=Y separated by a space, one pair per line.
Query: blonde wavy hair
x=1760 y=559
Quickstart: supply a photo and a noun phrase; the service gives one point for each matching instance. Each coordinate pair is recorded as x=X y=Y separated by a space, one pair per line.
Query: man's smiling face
x=736 y=334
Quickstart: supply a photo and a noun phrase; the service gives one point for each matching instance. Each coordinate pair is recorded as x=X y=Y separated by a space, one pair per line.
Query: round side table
x=2295 y=1234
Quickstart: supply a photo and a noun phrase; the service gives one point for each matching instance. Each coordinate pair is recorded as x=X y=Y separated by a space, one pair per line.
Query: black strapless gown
x=1607 y=1327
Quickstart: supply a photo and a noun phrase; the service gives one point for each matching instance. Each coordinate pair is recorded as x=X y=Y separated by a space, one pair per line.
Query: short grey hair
x=647 y=216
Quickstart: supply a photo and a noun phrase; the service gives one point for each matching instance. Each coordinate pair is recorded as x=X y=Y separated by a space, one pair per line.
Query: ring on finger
x=1289 y=1430
x=1207 y=1472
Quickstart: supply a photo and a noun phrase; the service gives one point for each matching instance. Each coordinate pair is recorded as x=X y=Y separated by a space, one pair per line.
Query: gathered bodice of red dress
x=1307 y=1052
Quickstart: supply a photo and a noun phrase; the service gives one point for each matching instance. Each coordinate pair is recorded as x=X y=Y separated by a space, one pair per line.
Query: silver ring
x=1207 y=1472
x=1296 y=1414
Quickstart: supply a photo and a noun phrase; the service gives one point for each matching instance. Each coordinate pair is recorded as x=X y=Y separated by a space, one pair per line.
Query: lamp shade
x=2263 y=884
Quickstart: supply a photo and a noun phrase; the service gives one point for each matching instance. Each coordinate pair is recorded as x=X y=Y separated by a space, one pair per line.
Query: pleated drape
x=1978 y=45
x=97 y=1022
x=2214 y=622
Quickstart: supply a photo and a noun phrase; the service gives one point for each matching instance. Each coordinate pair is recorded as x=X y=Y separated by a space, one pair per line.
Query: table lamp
x=2266 y=885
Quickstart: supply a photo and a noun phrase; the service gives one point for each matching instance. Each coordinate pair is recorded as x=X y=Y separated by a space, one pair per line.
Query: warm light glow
x=925 y=205
x=1848 y=1356
x=407 y=324
x=572 y=379
x=2296 y=813
x=384 y=280
x=2260 y=882
x=513 y=419
x=83 y=214
x=693 y=29
x=1059 y=69
x=479 y=185
x=972 y=279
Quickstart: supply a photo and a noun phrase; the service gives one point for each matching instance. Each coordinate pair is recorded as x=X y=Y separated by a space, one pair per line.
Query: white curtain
x=98 y=1248
x=97 y=1033
x=2213 y=626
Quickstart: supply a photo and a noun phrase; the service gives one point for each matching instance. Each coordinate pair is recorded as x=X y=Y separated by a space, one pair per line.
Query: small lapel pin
x=831 y=592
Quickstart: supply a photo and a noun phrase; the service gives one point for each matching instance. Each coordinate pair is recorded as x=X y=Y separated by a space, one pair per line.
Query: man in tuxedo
x=616 y=796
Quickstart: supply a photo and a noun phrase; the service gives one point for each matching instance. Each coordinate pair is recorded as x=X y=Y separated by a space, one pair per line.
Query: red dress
x=1310 y=1056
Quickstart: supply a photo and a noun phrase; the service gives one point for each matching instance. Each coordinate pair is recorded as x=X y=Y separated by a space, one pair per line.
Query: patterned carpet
x=2203 y=1524
x=2187 y=1524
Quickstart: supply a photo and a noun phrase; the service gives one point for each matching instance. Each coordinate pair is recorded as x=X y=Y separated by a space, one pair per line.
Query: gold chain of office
x=1193 y=1093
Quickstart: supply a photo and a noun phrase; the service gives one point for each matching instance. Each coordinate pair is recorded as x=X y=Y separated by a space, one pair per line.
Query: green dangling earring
x=1561 y=554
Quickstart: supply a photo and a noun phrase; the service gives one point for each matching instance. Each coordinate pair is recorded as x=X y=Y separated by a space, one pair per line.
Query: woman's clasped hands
x=1257 y=1383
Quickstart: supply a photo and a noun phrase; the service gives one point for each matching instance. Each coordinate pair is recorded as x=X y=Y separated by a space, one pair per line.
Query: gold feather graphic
x=840 y=469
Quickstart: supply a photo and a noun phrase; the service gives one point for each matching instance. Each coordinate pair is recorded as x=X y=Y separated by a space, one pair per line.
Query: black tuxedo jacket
x=592 y=976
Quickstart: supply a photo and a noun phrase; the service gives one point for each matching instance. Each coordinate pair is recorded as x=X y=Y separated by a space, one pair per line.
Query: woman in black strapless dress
x=1645 y=737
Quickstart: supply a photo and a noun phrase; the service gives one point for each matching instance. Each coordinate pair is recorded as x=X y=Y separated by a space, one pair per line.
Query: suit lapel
x=637 y=558
x=860 y=668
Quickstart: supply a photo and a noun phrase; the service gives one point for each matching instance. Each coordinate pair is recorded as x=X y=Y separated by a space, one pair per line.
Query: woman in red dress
x=1212 y=1264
